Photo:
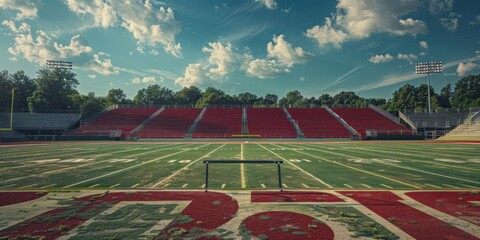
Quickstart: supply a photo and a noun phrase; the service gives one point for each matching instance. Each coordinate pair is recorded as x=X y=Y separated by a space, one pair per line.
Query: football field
x=308 y=165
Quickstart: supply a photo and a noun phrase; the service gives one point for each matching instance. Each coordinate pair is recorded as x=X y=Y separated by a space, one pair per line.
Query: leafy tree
x=213 y=96
x=247 y=98
x=115 y=96
x=88 y=104
x=422 y=97
x=325 y=99
x=377 y=101
x=53 y=88
x=467 y=92
x=291 y=98
x=403 y=98
x=24 y=87
x=188 y=95
x=154 y=94
x=271 y=99
x=445 y=97
x=345 y=98
x=5 y=90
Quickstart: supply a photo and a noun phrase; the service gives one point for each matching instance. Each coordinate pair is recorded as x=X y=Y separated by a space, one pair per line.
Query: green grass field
x=342 y=165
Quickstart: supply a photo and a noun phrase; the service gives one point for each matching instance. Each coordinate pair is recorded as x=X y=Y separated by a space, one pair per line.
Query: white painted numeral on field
x=124 y=160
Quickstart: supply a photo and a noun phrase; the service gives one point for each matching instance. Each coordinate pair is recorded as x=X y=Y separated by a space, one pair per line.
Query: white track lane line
x=188 y=165
x=307 y=173
x=127 y=168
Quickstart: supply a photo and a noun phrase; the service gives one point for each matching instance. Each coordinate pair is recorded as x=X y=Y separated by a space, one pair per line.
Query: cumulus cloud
x=408 y=57
x=269 y=4
x=381 y=58
x=464 y=68
x=423 y=45
x=358 y=19
x=92 y=76
x=440 y=6
x=451 y=23
x=195 y=74
x=24 y=8
x=102 y=12
x=138 y=80
x=23 y=28
x=266 y=68
x=222 y=58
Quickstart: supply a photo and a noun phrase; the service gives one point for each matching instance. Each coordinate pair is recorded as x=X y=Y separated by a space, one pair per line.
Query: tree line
x=56 y=89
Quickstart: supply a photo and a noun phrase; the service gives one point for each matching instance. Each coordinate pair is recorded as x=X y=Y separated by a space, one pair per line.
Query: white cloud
x=408 y=57
x=423 y=45
x=440 y=6
x=102 y=64
x=77 y=47
x=464 y=68
x=476 y=20
x=221 y=56
x=25 y=8
x=266 y=68
x=381 y=58
x=92 y=76
x=269 y=4
x=358 y=19
x=138 y=80
x=102 y=12
x=282 y=50
x=195 y=74
x=302 y=79
x=451 y=23
x=23 y=28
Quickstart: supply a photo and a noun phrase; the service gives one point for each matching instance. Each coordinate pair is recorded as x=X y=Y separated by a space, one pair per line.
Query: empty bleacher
x=437 y=120
x=269 y=123
x=363 y=119
x=219 y=123
x=171 y=123
x=123 y=119
x=318 y=123
x=24 y=121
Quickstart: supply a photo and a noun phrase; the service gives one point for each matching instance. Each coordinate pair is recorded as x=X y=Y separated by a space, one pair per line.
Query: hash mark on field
x=285 y=185
x=346 y=185
x=263 y=185
x=366 y=185
x=306 y=160
x=95 y=185
x=11 y=185
x=448 y=185
x=223 y=186
x=114 y=185
x=305 y=185
x=431 y=185
x=31 y=185
x=184 y=185
x=51 y=185
x=134 y=186
x=171 y=161
x=386 y=186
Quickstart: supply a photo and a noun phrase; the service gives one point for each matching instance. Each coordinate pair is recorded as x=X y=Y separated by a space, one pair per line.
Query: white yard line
x=51 y=185
x=386 y=186
x=118 y=184
x=188 y=165
x=11 y=185
x=297 y=167
x=128 y=168
x=134 y=186
x=431 y=185
x=305 y=185
x=27 y=186
x=185 y=185
x=284 y=185
x=365 y=185
x=242 y=168
x=223 y=186
x=263 y=185
x=448 y=185
x=346 y=185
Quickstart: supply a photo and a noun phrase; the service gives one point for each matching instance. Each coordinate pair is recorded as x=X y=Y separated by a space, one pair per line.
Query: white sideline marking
x=51 y=185
x=127 y=168
x=114 y=185
x=94 y=185
x=448 y=185
x=134 y=186
x=309 y=174
x=11 y=185
x=285 y=185
x=366 y=185
x=188 y=165
x=242 y=168
x=470 y=186
x=431 y=185
x=386 y=186
x=346 y=185
x=223 y=185
x=203 y=186
x=185 y=185
x=305 y=185
x=263 y=185
x=31 y=185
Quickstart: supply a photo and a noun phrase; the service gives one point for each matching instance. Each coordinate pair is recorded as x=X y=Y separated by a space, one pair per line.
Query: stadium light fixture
x=54 y=64
x=428 y=68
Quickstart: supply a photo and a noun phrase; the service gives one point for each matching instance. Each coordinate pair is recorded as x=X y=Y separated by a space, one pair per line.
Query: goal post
x=277 y=162
x=10 y=127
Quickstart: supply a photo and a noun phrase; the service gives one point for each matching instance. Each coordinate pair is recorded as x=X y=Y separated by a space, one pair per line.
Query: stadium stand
x=269 y=123
x=363 y=119
x=171 y=123
x=318 y=123
x=24 y=121
x=436 y=120
x=123 y=119
x=219 y=123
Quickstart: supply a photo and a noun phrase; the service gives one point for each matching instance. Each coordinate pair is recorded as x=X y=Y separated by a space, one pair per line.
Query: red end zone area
x=227 y=215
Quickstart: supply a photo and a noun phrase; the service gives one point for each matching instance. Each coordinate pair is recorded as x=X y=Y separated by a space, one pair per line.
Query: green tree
x=325 y=99
x=154 y=94
x=445 y=97
x=213 y=96
x=5 y=90
x=24 y=87
x=271 y=99
x=345 y=98
x=188 y=95
x=403 y=98
x=53 y=88
x=115 y=96
x=247 y=98
x=467 y=92
x=88 y=104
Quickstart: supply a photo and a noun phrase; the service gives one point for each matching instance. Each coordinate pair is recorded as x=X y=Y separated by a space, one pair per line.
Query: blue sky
x=259 y=46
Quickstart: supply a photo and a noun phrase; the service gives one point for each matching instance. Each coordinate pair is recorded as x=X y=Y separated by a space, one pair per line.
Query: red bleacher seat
x=318 y=123
x=219 y=123
x=171 y=123
x=269 y=123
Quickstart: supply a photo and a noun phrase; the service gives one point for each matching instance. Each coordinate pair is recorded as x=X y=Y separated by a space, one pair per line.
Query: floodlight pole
x=11 y=110
x=428 y=91
x=427 y=68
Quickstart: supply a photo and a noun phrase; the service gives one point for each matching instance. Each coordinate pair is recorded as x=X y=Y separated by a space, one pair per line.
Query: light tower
x=53 y=64
x=427 y=68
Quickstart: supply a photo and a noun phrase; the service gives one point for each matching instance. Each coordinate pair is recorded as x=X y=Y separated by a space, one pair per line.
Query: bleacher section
x=363 y=119
x=318 y=123
x=171 y=123
x=269 y=123
x=24 y=121
x=443 y=120
x=219 y=123
x=123 y=119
